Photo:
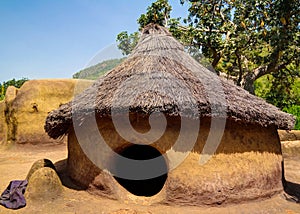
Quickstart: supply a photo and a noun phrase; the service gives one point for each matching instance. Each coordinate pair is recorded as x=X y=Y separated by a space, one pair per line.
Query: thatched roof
x=160 y=76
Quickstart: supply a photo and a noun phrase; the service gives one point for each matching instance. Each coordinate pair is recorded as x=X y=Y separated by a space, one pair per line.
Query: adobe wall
x=28 y=109
x=292 y=135
x=9 y=126
x=3 y=127
x=246 y=165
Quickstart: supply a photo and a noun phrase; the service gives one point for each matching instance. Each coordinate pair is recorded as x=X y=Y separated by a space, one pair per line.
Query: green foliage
x=247 y=39
x=280 y=93
x=280 y=88
x=263 y=85
x=126 y=43
x=244 y=38
x=295 y=110
x=12 y=82
x=157 y=13
x=94 y=72
x=250 y=39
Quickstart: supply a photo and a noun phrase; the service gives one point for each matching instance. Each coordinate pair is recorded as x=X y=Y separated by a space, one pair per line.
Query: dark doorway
x=147 y=187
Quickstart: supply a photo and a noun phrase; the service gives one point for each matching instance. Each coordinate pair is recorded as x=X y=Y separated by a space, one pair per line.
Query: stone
x=38 y=165
x=44 y=184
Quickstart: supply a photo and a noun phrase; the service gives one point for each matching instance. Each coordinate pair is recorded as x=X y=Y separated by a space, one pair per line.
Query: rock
x=44 y=184
x=38 y=165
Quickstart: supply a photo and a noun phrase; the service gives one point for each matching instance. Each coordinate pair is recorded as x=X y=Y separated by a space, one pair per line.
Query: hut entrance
x=147 y=187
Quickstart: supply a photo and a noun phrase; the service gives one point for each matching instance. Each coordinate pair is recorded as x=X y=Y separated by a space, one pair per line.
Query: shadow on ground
x=61 y=168
x=292 y=191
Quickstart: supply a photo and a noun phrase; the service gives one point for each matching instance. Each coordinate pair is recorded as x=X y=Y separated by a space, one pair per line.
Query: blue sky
x=56 y=38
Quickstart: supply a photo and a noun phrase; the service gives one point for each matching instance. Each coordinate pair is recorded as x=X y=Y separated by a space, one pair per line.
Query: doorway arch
x=147 y=187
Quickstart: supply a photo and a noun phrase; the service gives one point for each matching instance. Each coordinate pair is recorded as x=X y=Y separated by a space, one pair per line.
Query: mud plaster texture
x=245 y=166
x=3 y=126
x=7 y=118
x=23 y=113
x=292 y=135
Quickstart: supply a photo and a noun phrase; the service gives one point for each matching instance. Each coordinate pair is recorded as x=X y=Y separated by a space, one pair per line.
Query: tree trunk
x=248 y=82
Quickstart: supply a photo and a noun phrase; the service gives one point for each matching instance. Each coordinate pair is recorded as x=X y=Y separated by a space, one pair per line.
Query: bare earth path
x=16 y=162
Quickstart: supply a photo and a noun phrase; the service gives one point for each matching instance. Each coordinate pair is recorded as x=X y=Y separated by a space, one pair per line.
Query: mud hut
x=160 y=127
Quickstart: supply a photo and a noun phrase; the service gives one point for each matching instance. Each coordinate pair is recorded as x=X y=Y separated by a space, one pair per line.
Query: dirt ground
x=15 y=163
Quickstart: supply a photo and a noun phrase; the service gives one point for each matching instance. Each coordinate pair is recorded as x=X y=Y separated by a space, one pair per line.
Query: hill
x=97 y=70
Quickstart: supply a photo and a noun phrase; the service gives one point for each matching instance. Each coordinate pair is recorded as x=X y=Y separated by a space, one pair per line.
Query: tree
x=126 y=43
x=249 y=40
x=12 y=82
x=158 y=13
x=282 y=89
x=246 y=39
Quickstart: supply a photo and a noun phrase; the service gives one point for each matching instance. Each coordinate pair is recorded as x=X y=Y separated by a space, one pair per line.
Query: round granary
x=214 y=142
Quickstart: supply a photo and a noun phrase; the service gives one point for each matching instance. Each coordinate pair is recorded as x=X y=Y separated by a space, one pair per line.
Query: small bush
x=295 y=110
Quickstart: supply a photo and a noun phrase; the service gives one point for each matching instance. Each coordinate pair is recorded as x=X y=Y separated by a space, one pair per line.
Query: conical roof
x=160 y=76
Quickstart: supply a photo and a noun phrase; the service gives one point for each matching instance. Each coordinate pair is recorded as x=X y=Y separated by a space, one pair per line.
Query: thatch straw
x=161 y=76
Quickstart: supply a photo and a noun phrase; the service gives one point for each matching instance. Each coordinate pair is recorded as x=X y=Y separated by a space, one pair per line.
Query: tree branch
x=238 y=56
x=264 y=69
x=184 y=28
x=216 y=56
